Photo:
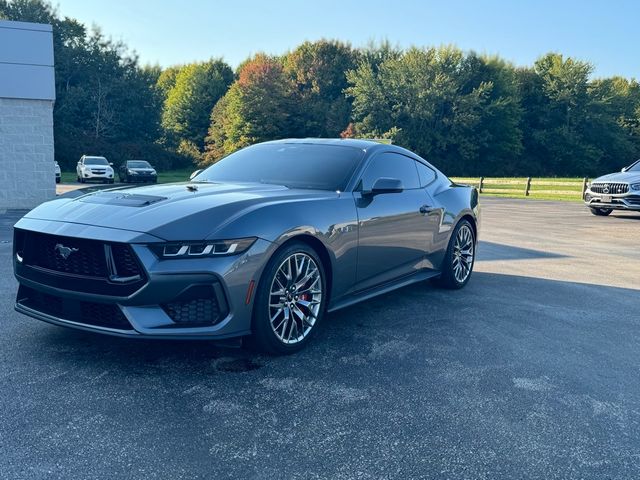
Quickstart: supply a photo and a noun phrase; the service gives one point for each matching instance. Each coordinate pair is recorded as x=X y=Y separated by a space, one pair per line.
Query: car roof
x=345 y=142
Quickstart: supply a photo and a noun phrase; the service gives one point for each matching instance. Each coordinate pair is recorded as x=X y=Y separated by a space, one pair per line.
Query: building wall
x=27 y=176
x=27 y=93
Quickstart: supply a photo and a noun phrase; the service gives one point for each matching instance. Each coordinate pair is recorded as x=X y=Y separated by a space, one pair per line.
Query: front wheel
x=459 y=257
x=290 y=300
x=600 y=212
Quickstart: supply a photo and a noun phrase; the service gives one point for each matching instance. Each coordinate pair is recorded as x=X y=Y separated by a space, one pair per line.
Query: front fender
x=330 y=221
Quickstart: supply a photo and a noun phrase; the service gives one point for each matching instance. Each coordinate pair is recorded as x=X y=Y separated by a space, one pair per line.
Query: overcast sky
x=169 y=32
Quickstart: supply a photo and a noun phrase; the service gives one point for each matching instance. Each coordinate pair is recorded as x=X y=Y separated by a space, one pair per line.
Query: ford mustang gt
x=261 y=244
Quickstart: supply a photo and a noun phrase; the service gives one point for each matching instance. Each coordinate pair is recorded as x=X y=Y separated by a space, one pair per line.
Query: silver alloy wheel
x=295 y=298
x=463 y=251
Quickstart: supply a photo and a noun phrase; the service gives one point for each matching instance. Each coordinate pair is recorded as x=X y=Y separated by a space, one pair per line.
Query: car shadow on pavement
x=488 y=251
x=625 y=216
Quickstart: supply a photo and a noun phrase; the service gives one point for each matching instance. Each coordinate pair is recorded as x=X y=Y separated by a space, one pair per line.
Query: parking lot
x=532 y=371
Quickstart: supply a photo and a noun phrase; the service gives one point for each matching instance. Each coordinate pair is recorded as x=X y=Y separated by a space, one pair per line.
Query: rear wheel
x=600 y=212
x=459 y=258
x=290 y=300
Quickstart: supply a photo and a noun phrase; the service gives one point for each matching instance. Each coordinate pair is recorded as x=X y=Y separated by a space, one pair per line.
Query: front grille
x=201 y=311
x=125 y=261
x=86 y=257
x=610 y=188
x=90 y=266
x=197 y=306
x=89 y=313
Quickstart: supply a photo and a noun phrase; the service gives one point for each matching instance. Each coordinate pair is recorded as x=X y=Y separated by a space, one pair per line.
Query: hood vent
x=121 y=199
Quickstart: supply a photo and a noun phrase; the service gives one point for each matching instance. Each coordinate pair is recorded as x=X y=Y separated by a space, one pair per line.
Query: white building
x=27 y=94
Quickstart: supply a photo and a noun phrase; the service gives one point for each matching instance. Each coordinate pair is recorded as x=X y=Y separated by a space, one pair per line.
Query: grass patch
x=561 y=188
x=163 y=177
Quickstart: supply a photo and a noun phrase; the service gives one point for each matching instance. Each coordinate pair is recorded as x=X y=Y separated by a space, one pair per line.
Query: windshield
x=295 y=165
x=635 y=167
x=138 y=164
x=95 y=161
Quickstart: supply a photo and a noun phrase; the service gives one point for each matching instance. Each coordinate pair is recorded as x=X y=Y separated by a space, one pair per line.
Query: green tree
x=441 y=103
x=167 y=80
x=556 y=103
x=317 y=70
x=189 y=102
x=256 y=108
x=613 y=122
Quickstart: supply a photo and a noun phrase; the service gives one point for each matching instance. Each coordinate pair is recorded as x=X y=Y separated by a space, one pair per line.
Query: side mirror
x=386 y=185
x=110 y=164
x=195 y=174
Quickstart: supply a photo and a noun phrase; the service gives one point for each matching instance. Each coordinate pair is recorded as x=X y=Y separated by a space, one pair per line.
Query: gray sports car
x=260 y=244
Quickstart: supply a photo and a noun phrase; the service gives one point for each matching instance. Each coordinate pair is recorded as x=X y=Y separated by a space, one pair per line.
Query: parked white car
x=58 y=173
x=94 y=168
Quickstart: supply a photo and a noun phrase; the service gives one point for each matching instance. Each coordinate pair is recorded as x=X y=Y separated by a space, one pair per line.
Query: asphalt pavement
x=531 y=371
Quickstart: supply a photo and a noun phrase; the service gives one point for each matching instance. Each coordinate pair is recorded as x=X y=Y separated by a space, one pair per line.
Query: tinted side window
x=426 y=174
x=391 y=165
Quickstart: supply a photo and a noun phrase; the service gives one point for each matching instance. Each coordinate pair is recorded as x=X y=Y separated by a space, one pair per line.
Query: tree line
x=468 y=114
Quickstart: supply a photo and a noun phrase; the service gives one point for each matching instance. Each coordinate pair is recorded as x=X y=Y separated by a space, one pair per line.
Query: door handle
x=424 y=209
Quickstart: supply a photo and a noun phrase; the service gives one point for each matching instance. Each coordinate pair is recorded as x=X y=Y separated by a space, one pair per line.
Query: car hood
x=179 y=211
x=627 y=177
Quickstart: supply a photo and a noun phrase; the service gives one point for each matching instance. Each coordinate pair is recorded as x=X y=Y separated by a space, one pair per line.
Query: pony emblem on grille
x=63 y=251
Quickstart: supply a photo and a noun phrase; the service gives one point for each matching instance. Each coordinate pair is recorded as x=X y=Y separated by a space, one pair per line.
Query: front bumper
x=142 y=178
x=625 y=201
x=179 y=299
x=88 y=175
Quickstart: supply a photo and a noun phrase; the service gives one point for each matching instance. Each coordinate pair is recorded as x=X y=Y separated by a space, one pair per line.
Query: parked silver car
x=615 y=191
x=94 y=168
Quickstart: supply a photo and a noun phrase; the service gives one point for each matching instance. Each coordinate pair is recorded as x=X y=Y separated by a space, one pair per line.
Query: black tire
x=57 y=180
x=264 y=337
x=82 y=180
x=448 y=278
x=78 y=179
x=600 y=212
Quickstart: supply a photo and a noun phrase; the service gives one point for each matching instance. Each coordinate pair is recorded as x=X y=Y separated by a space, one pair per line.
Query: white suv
x=94 y=168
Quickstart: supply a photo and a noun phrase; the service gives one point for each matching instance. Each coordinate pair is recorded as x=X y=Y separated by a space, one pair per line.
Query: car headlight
x=635 y=186
x=214 y=248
